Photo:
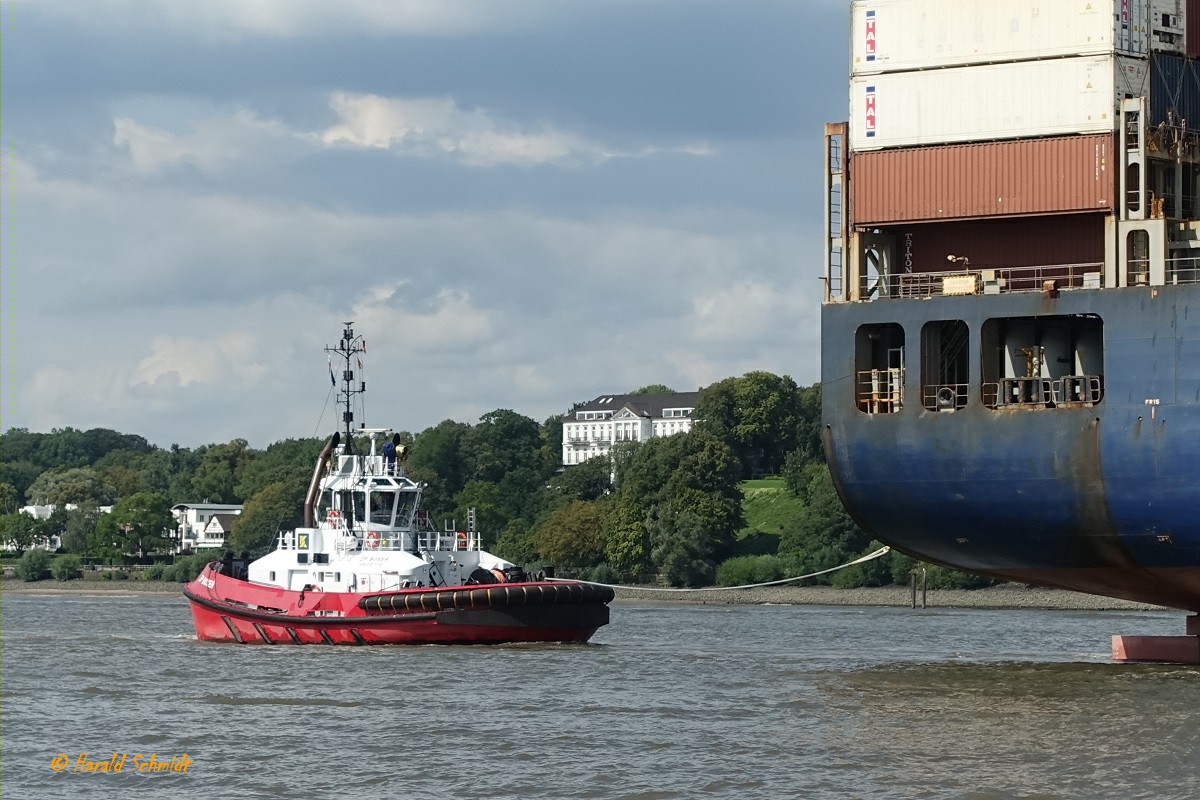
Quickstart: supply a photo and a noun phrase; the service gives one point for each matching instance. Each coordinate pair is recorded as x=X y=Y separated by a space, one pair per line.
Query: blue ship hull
x=1101 y=498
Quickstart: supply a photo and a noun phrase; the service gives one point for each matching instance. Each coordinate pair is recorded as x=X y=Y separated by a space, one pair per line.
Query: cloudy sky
x=520 y=204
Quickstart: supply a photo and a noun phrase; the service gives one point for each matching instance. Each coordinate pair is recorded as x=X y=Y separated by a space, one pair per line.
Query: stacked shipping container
x=1006 y=109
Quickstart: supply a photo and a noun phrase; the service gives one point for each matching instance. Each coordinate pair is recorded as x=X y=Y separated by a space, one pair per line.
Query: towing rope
x=862 y=560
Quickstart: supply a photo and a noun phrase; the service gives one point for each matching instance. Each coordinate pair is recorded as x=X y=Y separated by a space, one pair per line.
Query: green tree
x=682 y=545
x=517 y=543
x=276 y=507
x=627 y=544
x=79 y=529
x=654 y=388
x=220 y=471
x=18 y=474
x=19 y=531
x=80 y=486
x=552 y=443
x=671 y=490
x=590 y=480
x=436 y=458
x=53 y=526
x=9 y=499
x=573 y=536
x=689 y=535
x=141 y=524
x=502 y=441
x=290 y=461
x=758 y=415
x=486 y=499
x=823 y=535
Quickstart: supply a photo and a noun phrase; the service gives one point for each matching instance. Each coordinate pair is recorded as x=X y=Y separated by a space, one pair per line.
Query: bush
x=120 y=575
x=34 y=565
x=155 y=572
x=66 y=568
x=743 y=570
x=604 y=573
x=186 y=568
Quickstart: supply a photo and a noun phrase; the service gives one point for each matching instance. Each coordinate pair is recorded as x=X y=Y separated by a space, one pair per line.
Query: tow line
x=862 y=560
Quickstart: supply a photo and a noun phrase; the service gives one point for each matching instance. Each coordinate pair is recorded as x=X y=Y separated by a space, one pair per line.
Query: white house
x=44 y=512
x=593 y=428
x=195 y=528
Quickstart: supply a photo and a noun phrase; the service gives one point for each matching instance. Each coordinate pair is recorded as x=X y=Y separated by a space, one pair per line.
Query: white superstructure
x=369 y=534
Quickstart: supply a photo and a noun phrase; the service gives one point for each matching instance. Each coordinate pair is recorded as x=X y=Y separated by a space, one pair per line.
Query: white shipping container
x=895 y=35
x=992 y=101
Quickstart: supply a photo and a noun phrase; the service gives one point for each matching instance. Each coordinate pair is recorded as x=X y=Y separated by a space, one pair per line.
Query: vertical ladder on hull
x=836 y=206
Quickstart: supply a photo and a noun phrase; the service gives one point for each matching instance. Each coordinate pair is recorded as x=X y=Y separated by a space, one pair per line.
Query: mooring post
x=924 y=587
x=912 y=582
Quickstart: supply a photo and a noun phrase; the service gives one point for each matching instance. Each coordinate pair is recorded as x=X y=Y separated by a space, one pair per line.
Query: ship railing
x=880 y=391
x=1018 y=393
x=944 y=396
x=1078 y=389
x=1183 y=269
x=995 y=280
x=449 y=540
x=1037 y=392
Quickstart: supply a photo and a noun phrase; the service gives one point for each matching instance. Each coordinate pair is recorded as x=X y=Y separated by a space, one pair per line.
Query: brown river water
x=669 y=701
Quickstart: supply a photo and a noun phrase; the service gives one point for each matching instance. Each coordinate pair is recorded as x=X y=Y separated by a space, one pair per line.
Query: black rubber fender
x=496 y=596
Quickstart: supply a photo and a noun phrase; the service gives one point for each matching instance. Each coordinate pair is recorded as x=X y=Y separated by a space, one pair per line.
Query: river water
x=670 y=701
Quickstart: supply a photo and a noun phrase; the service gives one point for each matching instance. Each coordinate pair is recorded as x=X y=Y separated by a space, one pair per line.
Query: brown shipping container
x=1057 y=175
x=1000 y=243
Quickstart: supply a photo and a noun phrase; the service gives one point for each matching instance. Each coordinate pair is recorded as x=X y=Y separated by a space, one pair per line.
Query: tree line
x=670 y=506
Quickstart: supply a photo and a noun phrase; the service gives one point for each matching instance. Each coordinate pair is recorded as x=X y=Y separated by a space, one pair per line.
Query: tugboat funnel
x=314 y=486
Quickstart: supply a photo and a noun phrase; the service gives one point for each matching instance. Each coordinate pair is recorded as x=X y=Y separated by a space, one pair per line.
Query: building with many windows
x=196 y=528
x=594 y=428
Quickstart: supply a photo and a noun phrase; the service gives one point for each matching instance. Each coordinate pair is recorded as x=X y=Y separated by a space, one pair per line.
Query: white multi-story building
x=195 y=524
x=594 y=428
x=44 y=512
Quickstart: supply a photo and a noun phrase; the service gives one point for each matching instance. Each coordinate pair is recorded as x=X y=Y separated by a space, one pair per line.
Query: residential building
x=44 y=512
x=594 y=428
x=195 y=530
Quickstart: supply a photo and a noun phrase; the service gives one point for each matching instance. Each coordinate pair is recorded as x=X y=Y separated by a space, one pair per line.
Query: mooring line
x=862 y=560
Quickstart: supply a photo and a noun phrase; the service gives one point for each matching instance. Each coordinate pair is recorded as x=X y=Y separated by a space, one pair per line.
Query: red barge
x=368 y=567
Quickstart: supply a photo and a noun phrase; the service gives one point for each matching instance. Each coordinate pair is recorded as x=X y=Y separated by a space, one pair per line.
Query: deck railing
x=880 y=391
x=995 y=281
x=1069 y=390
x=944 y=396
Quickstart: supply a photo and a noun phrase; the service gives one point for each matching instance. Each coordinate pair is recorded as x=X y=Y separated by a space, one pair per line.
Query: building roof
x=208 y=506
x=224 y=520
x=644 y=405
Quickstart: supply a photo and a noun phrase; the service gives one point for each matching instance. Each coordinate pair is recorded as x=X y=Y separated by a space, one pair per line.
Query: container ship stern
x=1010 y=353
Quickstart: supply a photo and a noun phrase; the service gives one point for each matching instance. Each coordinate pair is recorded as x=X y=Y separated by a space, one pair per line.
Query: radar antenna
x=348 y=348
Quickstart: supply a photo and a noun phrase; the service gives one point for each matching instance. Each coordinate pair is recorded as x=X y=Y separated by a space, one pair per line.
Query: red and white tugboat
x=368 y=567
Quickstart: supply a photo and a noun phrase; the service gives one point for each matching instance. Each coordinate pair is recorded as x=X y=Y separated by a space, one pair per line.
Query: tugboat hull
x=522 y=612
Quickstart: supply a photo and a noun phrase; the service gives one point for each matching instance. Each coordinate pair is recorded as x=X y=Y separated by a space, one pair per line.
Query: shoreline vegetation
x=1004 y=596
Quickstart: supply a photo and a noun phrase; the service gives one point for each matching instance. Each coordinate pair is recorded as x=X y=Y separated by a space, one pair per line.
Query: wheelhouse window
x=381 y=507
x=1042 y=362
x=945 y=364
x=879 y=368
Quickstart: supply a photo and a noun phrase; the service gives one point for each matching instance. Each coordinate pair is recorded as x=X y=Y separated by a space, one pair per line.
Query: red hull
x=222 y=612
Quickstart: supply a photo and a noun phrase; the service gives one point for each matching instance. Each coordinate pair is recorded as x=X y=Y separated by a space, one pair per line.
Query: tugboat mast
x=350 y=346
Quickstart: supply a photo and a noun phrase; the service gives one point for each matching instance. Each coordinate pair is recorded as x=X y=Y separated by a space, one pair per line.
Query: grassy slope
x=768 y=507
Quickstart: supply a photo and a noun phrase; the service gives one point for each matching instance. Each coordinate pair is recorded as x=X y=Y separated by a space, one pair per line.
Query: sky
x=520 y=204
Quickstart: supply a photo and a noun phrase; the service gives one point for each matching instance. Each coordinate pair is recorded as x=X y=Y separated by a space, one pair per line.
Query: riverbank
x=1003 y=596
x=14 y=586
